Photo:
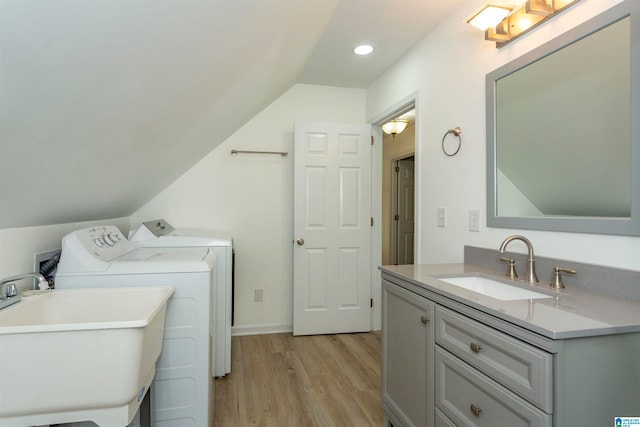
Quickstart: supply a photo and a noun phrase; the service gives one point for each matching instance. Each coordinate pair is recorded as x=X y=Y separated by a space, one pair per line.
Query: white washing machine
x=182 y=392
x=159 y=234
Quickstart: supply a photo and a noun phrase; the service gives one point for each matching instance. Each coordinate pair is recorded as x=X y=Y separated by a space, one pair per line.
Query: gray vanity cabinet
x=407 y=357
x=448 y=364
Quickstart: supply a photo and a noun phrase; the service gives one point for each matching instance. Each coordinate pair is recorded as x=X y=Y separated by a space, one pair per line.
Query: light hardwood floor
x=282 y=380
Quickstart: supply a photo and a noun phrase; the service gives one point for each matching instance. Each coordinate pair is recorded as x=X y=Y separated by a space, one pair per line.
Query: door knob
x=300 y=241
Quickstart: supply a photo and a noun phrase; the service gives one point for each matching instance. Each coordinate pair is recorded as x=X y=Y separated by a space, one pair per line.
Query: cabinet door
x=407 y=356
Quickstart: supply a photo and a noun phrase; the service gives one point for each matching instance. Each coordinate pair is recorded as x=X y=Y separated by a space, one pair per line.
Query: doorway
x=398 y=194
x=391 y=149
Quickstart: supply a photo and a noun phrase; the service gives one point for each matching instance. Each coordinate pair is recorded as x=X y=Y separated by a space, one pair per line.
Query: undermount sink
x=493 y=288
x=80 y=354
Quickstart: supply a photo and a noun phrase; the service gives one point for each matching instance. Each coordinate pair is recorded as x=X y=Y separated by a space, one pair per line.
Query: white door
x=332 y=228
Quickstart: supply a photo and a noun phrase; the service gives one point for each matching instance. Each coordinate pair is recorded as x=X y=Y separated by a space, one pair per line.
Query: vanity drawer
x=467 y=397
x=442 y=421
x=520 y=367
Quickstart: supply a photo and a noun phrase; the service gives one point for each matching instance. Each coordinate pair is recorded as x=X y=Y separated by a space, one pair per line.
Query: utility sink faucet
x=42 y=282
x=531 y=262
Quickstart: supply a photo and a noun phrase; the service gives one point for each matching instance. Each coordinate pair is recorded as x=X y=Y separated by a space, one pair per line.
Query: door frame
x=400 y=107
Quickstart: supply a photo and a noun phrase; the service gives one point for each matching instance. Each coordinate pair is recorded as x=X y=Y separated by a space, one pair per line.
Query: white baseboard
x=260 y=329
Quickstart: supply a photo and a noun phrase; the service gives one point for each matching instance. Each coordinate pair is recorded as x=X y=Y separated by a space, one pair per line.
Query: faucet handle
x=512 y=274
x=12 y=290
x=556 y=283
x=9 y=290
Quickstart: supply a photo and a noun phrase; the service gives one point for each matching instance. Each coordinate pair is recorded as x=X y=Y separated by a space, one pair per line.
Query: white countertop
x=570 y=313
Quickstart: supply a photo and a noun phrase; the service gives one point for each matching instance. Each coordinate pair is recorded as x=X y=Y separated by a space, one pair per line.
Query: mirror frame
x=594 y=225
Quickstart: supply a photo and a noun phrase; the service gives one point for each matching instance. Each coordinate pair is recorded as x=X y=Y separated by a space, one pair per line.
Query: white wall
x=18 y=245
x=448 y=69
x=252 y=197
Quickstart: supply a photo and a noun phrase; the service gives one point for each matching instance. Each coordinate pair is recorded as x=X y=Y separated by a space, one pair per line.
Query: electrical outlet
x=442 y=217
x=257 y=295
x=474 y=220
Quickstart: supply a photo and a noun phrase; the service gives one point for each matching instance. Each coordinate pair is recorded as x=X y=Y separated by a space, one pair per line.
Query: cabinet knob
x=475 y=410
x=424 y=320
x=475 y=347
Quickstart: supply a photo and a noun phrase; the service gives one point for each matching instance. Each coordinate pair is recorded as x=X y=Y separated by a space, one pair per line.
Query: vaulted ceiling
x=103 y=103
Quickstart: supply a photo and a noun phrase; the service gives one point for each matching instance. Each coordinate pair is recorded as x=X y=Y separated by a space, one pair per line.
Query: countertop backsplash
x=610 y=281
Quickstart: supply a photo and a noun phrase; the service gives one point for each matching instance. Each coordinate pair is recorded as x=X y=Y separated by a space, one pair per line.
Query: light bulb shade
x=489 y=16
x=395 y=127
x=503 y=26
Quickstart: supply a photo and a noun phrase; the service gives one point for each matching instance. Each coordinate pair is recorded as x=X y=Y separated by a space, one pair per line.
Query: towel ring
x=456 y=132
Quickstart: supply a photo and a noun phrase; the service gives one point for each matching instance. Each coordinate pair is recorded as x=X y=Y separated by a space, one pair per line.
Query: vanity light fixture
x=489 y=16
x=519 y=19
x=395 y=127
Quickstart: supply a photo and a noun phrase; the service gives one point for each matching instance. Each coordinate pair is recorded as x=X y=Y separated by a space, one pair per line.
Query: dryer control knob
x=108 y=239
x=115 y=238
x=99 y=241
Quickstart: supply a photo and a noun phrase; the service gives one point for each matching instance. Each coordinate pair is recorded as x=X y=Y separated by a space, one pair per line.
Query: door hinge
x=397 y=169
x=371 y=139
x=397 y=217
x=372 y=221
x=371 y=302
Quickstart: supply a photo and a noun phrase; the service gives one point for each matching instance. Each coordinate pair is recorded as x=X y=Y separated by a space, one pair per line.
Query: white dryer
x=159 y=234
x=182 y=391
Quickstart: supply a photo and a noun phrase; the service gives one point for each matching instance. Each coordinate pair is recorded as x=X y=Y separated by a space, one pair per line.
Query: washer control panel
x=92 y=248
x=107 y=239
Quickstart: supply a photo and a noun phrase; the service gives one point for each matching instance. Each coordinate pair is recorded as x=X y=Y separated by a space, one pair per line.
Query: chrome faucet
x=531 y=267
x=42 y=282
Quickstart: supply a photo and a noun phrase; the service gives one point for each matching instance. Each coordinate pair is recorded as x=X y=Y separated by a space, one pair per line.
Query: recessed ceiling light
x=363 y=49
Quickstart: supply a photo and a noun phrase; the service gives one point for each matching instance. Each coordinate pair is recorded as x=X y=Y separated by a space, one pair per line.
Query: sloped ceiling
x=103 y=103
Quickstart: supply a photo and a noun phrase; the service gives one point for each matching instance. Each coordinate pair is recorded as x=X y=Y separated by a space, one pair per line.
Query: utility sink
x=493 y=288
x=80 y=354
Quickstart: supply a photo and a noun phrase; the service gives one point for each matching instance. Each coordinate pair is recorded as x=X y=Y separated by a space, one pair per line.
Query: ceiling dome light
x=395 y=126
x=363 y=49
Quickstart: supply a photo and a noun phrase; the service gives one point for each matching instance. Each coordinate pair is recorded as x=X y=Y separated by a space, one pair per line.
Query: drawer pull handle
x=475 y=410
x=424 y=320
x=475 y=347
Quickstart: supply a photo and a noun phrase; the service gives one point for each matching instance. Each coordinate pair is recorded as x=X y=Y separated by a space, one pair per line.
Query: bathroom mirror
x=563 y=152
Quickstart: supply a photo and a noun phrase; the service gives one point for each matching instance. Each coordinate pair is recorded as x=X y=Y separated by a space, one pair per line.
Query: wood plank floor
x=282 y=380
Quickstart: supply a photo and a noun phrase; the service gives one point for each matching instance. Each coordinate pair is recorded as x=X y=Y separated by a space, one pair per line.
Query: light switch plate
x=474 y=220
